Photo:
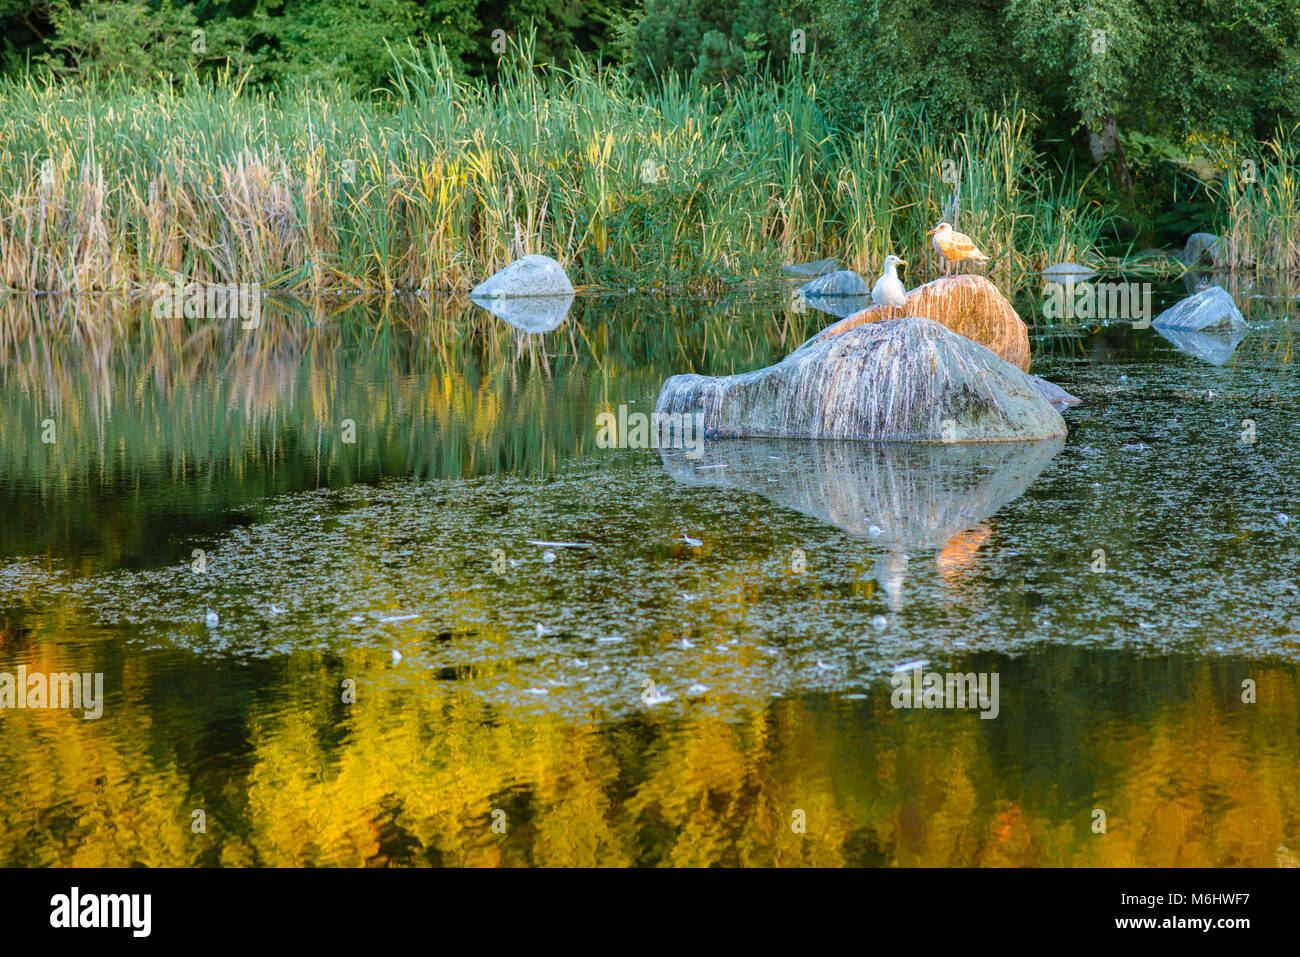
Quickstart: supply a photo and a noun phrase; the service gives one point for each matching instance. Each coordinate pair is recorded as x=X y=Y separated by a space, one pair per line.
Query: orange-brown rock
x=970 y=306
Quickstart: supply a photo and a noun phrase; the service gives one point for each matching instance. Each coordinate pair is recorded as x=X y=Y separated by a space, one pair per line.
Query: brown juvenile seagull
x=954 y=246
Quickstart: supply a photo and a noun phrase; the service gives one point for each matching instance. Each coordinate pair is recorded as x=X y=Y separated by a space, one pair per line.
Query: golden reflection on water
x=417 y=772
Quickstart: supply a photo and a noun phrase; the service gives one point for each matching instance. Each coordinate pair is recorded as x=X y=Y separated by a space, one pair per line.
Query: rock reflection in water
x=1215 y=348
x=535 y=314
x=905 y=497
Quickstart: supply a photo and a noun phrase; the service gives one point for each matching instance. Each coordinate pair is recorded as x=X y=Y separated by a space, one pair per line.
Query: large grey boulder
x=844 y=282
x=910 y=379
x=532 y=275
x=1211 y=308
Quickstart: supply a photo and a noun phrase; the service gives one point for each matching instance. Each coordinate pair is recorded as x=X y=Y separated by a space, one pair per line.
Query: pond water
x=697 y=665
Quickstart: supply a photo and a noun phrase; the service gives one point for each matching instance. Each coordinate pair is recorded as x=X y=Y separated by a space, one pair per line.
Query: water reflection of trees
x=210 y=417
x=1186 y=774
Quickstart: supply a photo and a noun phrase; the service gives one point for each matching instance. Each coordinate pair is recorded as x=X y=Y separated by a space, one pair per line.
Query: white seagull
x=889 y=289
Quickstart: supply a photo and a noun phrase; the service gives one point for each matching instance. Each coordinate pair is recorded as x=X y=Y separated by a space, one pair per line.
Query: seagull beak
x=933 y=231
x=901 y=262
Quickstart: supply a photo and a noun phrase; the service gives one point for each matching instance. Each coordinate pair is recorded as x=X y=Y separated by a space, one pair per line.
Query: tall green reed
x=442 y=180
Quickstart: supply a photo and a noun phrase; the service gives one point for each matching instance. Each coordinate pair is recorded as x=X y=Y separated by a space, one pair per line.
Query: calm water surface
x=195 y=466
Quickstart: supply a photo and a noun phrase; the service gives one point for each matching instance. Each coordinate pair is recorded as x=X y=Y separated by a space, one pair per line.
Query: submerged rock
x=970 y=306
x=535 y=314
x=1211 y=308
x=1054 y=394
x=1215 y=346
x=532 y=275
x=811 y=270
x=910 y=379
x=903 y=498
x=843 y=282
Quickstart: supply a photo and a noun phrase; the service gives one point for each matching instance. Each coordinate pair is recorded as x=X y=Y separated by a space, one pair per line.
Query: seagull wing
x=963 y=247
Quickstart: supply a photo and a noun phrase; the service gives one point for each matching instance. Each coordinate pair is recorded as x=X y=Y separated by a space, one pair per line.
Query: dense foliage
x=1137 y=91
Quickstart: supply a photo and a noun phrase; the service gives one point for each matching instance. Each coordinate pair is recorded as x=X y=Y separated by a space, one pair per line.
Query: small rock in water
x=548 y=556
x=531 y=275
x=880 y=622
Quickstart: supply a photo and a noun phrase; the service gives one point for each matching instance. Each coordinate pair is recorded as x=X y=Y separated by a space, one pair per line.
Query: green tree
x=713 y=41
x=133 y=37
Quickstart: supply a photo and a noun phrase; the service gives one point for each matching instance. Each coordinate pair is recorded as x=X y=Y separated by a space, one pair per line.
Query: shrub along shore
x=434 y=185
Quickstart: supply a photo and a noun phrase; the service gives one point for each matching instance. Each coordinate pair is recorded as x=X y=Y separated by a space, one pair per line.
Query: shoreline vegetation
x=109 y=186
